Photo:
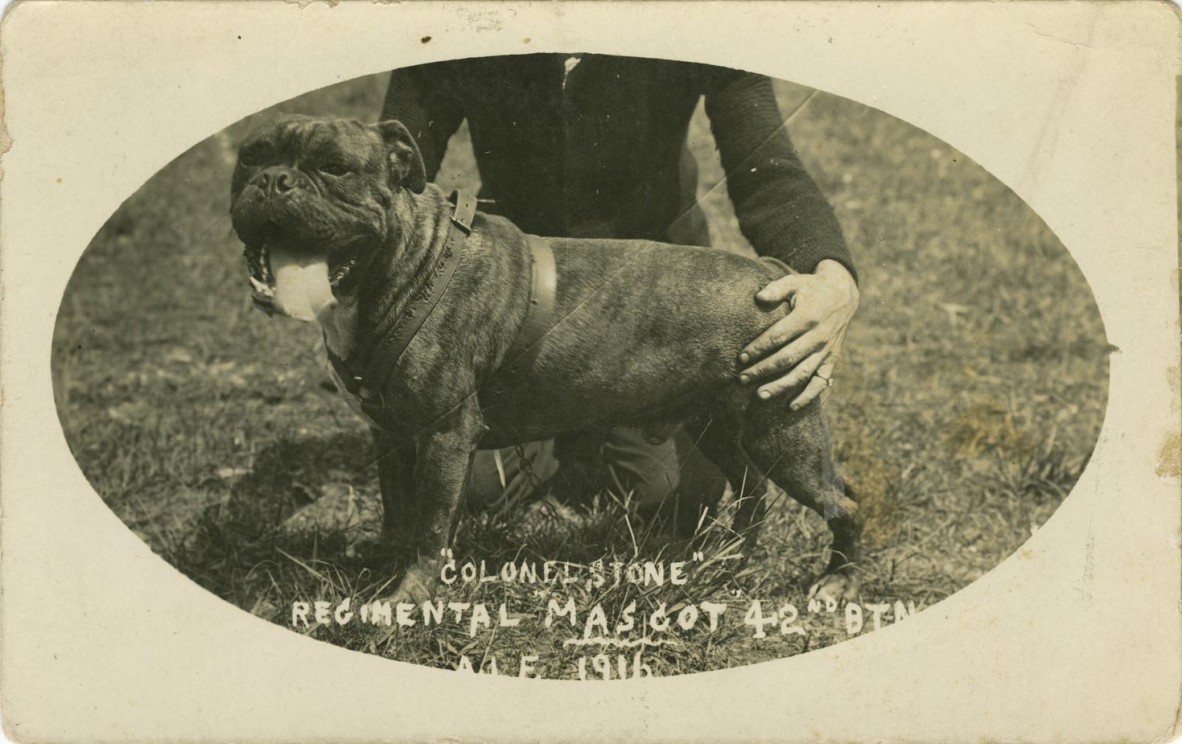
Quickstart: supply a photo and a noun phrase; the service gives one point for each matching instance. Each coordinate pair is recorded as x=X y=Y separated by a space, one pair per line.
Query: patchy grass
x=968 y=401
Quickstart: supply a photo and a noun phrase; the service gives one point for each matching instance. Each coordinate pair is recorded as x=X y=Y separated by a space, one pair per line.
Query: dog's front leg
x=396 y=467
x=442 y=463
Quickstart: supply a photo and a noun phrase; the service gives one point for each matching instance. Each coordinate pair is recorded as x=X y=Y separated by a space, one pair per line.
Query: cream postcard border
x=1069 y=104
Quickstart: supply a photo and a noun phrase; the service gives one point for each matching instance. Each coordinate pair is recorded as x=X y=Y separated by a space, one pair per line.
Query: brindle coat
x=644 y=334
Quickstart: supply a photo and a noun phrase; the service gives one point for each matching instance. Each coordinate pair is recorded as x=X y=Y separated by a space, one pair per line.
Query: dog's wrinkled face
x=311 y=200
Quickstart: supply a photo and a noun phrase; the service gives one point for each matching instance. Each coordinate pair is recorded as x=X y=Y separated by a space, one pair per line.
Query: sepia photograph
x=565 y=365
x=590 y=371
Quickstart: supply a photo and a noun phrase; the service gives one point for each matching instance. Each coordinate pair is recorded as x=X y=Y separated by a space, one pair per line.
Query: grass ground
x=970 y=396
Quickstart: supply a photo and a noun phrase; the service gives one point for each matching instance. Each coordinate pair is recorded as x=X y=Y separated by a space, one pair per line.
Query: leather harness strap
x=776 y=265
x=367 y=384
x=543 y=287
x=365 y=389
x=389 y=349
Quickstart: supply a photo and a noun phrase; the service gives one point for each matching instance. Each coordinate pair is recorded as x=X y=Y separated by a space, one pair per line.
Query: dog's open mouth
x=262 y=281
x=287 y=282
x=341 y=272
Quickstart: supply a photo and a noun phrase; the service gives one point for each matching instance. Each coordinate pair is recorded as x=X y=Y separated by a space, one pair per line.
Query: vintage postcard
x=590 y=371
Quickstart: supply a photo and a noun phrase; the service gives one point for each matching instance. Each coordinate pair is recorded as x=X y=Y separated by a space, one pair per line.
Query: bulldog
x=452 y=330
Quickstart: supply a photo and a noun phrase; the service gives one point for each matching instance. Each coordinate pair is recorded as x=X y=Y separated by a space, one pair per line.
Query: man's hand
x=801 y=349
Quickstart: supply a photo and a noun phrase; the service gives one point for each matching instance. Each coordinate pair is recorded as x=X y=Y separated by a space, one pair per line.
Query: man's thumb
x=779 y=290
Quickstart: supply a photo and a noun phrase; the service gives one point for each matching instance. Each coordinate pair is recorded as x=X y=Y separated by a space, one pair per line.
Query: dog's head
x=311 y=200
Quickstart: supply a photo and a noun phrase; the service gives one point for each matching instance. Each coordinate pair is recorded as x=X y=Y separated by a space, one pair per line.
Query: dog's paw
x=417 y=586
x=842 y=585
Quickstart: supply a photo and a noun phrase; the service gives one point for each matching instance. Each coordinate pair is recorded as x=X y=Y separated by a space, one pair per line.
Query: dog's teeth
x=261 y=288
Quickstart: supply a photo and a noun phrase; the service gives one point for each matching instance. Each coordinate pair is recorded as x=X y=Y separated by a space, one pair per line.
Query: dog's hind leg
x=793 y=448
x=721 y=444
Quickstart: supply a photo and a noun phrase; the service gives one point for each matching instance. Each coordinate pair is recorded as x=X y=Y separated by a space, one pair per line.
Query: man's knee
x=672 y=477
x=649 y=471
x=513 y=473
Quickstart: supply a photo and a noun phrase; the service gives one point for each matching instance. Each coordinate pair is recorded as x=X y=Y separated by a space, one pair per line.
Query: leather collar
x=366 y=383
x=364 y=391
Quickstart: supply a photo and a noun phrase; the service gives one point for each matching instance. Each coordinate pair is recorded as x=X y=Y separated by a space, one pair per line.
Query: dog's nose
x=278 y=179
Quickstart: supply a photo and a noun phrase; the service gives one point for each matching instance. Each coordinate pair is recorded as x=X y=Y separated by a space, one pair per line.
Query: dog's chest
x=338 y=320
x=353 y=400
x=339 y=323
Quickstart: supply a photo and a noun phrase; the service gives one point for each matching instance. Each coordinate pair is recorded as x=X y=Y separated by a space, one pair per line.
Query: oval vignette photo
x=464 y=365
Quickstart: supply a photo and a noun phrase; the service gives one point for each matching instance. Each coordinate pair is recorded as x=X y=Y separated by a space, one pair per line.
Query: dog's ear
x=405 y=159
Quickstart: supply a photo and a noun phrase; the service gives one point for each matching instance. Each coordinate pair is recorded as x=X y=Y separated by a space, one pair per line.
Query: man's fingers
x=820 y=385
x=777 y=336
x=799 y=375
x=825 y=371
x=779 y=290
x=816 y=387
x=784 y=359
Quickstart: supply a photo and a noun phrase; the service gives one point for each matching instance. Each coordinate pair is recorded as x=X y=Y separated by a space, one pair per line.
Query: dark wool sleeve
x=781 y=210
x=419 y=98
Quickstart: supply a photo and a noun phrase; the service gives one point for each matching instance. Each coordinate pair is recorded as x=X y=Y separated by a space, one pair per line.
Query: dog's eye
x=334 y=169
x=252 y=155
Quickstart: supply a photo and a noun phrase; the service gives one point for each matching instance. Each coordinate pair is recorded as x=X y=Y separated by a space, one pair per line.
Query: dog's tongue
x=301 y=284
